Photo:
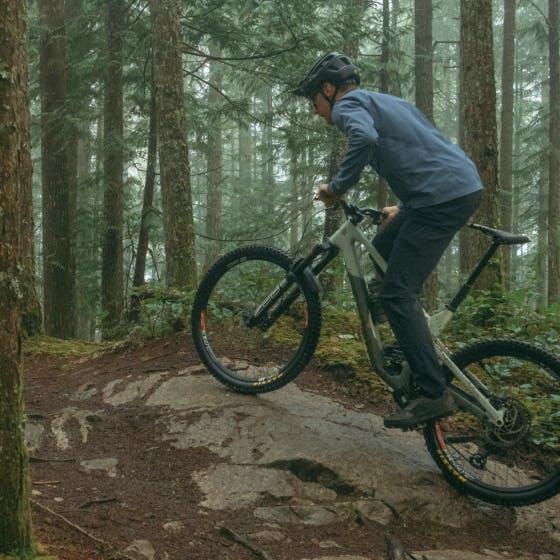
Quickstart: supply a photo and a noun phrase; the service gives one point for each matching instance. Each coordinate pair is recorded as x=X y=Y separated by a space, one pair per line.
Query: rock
x=84 y=419
x=467 y=555
x=375 y=511
x=268 y=537
x=329 y=544
x=235 y=486
x=313 y=514
x=346 y=557
x=308 y=435
x=541 y=518
x=34 y=434
x=109 y=465
x=307 y=515
x=134 y=390
x=84 y=392
x=109 y=389
x=173 y=527
x=192 y=369
x=141 y=549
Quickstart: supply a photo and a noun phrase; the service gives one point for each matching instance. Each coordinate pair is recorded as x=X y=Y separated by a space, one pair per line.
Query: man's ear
x=329 y=89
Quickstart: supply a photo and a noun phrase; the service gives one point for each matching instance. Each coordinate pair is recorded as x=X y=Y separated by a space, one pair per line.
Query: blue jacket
x=421 y=166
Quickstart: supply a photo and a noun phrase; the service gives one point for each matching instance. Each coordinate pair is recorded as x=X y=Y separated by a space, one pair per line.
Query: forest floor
x=117 y=473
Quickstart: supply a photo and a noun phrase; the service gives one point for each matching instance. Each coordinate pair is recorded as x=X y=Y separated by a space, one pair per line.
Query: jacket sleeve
x=352 y=118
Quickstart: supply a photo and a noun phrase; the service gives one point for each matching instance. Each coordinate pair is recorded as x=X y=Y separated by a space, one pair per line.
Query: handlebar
x=356 y=215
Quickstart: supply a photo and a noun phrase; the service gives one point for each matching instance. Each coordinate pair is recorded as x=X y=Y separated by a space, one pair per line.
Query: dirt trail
x=147 y=453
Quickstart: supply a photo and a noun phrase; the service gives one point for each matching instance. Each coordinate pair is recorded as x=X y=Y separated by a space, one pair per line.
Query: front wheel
x=516 y=464
x=254 y=325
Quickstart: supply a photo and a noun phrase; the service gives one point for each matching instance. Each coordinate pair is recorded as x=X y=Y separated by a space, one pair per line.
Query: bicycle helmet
x=333 y=67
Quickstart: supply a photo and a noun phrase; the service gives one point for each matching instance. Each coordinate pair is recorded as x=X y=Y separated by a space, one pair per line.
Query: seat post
x=466 y=287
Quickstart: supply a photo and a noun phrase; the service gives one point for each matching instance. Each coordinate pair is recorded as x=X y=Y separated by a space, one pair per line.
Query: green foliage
x=161 y=311
x=47 y=345
x=505 y=314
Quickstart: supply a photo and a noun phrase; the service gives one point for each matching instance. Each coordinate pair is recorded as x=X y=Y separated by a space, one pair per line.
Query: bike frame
x=349 y=240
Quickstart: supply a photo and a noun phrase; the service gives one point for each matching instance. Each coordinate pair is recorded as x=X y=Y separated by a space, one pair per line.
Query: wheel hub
x=515 y=427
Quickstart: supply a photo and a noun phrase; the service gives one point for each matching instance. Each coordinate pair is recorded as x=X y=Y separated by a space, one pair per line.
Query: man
x=439 y=189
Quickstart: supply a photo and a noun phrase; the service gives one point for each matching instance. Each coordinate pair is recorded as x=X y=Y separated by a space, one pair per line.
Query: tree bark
x=294 y=151
x=147 y=207
x=354 y=13
x=382 y=188
x=112 y=259
x=15 y=184
x=477 y=128
x=173 y=148
x=506 y=133
x=424 y=95
x=554 y=156
x=423 y=58
x=214 y=159
x=58 y=260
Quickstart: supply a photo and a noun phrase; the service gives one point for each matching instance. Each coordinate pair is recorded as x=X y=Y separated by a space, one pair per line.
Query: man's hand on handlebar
x=326 y=196
x=389 y=212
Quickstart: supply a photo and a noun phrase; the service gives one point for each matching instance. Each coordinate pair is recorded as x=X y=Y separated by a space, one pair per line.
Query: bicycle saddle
x=499 y=236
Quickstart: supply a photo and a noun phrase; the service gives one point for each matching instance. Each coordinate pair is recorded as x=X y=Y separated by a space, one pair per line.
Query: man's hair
x=348 y=86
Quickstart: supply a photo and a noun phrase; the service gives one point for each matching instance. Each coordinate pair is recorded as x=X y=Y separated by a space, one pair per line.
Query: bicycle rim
x=518 y=463
x=261 y=356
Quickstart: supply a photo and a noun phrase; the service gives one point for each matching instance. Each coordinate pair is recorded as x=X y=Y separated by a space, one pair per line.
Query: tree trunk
x=245 y=156
x=424 y=93
x=294 y=151
x=214 y=159
x=112 y=263
x=15 y=184
x=147 y=208
x=354 y=13
x=268 y=163
x=506 y=133
x=382 y=188
x=554 y=156
x=173 y=148
x=58 y=261
x=542 y=240
x=477 y=128
x=86 y=240
x=423 y=59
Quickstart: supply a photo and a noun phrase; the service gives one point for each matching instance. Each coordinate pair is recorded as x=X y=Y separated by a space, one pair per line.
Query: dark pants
x=412 y=243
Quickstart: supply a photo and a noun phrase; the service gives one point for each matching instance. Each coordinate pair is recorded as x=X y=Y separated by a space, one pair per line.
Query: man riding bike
x=438 y=187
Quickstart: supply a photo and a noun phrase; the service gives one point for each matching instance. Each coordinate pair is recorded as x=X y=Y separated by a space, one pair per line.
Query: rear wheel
x=255 y=353
x=518 y=463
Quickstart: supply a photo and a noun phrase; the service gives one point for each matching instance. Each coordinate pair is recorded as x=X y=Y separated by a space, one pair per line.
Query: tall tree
x=58 y=261
x=15 y=181
x=173 y=148
x=477 y=126
x=354 y=11
x=506 y=134
x=382 y=188
x=214 y=156
x=554 y=155
x=424 y=94
x=147 y=206
x=423 y=58
x=112 y=260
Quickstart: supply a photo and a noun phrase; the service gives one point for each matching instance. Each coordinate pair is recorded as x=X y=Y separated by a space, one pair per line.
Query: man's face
x=321 y=107
x=320 y=101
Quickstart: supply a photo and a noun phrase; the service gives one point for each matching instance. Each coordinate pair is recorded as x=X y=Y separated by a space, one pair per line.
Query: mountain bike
x=256 y=322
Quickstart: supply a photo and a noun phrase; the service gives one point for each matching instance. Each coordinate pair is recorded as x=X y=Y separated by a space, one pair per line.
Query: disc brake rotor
x=516 y=426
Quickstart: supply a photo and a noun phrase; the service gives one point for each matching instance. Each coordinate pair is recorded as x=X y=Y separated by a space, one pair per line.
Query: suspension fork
x=303 y=270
